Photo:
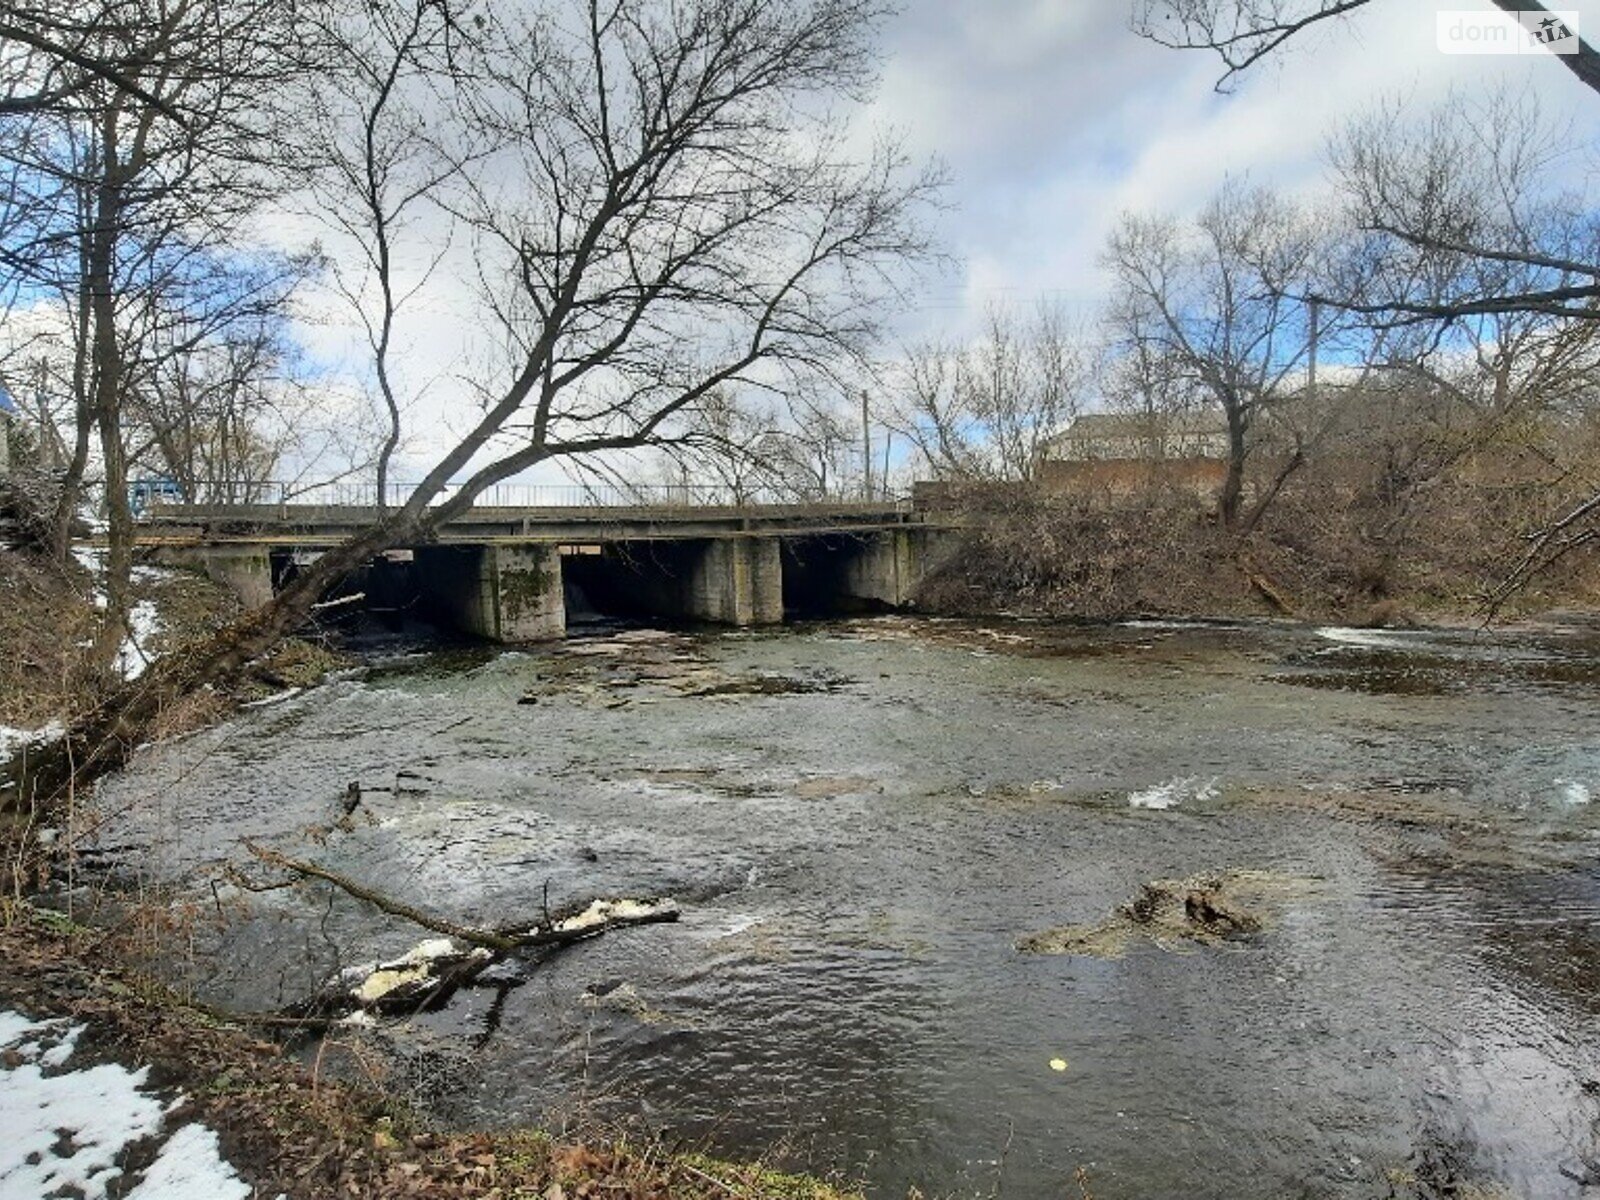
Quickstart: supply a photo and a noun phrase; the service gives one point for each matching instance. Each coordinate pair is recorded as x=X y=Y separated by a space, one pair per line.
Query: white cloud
x=1051 y=129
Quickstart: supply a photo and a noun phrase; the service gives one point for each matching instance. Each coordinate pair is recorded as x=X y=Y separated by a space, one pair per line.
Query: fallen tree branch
x=433 y=970
x=1268 y=590
x=488 y=939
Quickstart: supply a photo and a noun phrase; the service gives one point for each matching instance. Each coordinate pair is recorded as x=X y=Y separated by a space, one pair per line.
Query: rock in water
x=1206 y=909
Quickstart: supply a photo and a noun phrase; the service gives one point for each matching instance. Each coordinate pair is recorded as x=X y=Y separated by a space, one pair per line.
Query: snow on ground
x=144 y=618
x=62 y=1128
x=14 y=741
x=144 y=622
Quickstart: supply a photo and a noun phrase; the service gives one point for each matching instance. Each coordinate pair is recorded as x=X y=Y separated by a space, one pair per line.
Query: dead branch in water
x=432 y=972
x=567 y=924
x=488 y=939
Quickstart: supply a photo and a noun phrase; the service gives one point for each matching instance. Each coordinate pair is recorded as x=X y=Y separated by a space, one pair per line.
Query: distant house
x=1139 y=437
x=8 y=414
x=1124 y=453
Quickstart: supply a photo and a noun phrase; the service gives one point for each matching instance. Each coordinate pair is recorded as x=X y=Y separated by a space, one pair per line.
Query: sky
x=1053 y=118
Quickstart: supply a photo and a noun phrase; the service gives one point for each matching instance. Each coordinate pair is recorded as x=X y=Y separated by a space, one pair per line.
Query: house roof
x=1142 y=425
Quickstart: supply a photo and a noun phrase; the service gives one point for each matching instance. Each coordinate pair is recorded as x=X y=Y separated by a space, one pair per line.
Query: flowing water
x=861 y=819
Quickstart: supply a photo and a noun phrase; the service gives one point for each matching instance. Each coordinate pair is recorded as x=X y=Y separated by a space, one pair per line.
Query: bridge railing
x=355 y=494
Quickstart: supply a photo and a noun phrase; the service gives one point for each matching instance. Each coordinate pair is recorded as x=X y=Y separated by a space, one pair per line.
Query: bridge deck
x=278 y=524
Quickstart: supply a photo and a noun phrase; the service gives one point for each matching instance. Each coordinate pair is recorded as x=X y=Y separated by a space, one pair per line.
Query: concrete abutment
x=244 y=570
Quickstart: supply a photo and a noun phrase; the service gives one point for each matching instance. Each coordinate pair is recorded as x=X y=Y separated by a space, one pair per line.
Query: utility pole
x=1316 y=338
x=866 y=447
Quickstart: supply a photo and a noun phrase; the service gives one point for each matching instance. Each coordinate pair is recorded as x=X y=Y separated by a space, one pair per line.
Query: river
x=862 y=818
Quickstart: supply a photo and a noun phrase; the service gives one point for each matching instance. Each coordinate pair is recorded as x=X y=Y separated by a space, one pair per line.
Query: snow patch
x=191 y=1167
x=66 y=1128
x=144 y=623
x=13 y=740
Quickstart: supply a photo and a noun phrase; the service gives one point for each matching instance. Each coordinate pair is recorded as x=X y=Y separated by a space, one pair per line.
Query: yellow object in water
x=1058 y=1064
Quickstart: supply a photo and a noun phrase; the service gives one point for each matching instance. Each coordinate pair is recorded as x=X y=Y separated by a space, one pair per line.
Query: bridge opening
x=627 y=581
x=830 y=575
x=382 y=600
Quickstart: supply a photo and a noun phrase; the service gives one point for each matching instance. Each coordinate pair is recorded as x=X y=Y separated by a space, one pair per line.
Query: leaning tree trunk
x=103 y=739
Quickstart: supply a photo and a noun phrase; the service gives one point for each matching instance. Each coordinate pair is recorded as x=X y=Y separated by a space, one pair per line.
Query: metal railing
x=152 y=501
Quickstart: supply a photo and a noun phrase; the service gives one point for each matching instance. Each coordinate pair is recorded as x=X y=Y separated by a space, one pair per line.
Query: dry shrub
x=1326 y=549
x=45 y=618
x=1089 y=557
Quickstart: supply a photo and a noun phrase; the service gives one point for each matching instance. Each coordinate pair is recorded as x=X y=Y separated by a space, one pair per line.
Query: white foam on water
x=1174 y=792
x=1574 y=792
x=1372 y=639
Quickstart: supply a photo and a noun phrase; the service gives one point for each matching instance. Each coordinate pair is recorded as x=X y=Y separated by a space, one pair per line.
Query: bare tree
x=231 y=421
x=1502 y=341
x=1520 y=266
x=985 y=410
x=138 y=178
x=51 y=53
x=1243 y=32
x=669 y=209
x=814 y=454
x=382 y=150
x=1209 y=309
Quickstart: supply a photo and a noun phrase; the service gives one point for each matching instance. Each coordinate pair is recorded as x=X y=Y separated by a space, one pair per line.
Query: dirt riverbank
x=309 y=1133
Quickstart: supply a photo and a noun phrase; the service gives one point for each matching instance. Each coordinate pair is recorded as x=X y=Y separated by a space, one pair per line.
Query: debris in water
x=1207 y=909
x=1058 y=1064
x=606 y=912
x=426 y=970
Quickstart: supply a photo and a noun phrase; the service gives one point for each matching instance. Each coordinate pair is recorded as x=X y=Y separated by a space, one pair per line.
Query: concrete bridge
x=514 y=573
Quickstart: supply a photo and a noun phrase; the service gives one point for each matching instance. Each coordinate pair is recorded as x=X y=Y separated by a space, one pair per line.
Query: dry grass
x=45 y=617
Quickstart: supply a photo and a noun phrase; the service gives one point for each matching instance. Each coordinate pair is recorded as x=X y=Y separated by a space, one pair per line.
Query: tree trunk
x=1233 y=485
x=1292 y=464
x=83 y=412
x=108 y=376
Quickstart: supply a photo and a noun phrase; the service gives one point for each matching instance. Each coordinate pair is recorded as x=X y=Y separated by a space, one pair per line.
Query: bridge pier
x=885 y=571
x=246 y=571
x=735 y=581
x=499 y=592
